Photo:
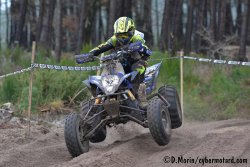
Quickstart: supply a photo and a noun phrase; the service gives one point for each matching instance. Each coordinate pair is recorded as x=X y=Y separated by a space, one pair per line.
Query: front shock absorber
x=130 y=94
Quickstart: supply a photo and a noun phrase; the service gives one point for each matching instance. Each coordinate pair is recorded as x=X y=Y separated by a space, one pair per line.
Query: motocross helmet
x=124 y=29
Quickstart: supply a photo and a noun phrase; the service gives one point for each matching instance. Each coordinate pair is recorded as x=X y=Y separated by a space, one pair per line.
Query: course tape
x=94 y=68
x=17 y=72
x=216 y=61
x=65 y=68
x=53 y=67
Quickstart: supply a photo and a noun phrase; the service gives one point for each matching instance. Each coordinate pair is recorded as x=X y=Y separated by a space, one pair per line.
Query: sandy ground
x=128 y=145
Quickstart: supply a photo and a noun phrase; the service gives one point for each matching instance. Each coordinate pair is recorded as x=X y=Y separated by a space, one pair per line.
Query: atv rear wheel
x=74 y=135
x=171 y=95
x=99 y=136
x=159 y=122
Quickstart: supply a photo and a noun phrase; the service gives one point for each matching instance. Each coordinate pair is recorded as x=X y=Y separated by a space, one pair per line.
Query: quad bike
x=113 y=102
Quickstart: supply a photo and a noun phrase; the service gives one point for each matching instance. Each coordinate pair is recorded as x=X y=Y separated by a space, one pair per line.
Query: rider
x=125 y=33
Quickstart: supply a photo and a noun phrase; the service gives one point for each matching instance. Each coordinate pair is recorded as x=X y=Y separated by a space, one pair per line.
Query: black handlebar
x=114 y=56
x=127 y=49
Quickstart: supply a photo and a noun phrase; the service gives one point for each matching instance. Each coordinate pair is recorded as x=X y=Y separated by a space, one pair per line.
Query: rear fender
x=151 y=75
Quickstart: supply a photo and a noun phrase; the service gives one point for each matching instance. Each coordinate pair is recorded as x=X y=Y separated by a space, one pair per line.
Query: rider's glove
x=91 y=54
x=143 y=62
x=145 y=57
x=145 y=51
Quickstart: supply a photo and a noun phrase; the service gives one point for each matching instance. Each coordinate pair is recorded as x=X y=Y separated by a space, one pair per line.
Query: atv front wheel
x=171 y=95
x=159 y=121
x=100 y=133
x=74 y=135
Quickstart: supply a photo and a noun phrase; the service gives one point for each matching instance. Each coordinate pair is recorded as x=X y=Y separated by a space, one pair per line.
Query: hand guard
x=83 y=58
x=135 y=47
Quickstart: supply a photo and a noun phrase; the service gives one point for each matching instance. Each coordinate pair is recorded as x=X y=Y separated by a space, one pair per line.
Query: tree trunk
x=189 y=29
x=139 y=12
x=171 y=25
x=166 y=15
x=28 y=35
x=148 y=22
x=81 y=26
x=104 y=20
x=243 y=35
x=89 y=17
x=222 y=19
x=112 y=16
x=0 y=26
x=96 y=27
x=7 y=23
x=14 y=10
x=68 y=42
x=31 y=22
x=58 y=29
x=248 y=34
x=205 y=13
x=213 y=23
x=46 y=34
x=163 y=43
x=177 y=26
x=21 y=21
x=40 y=20
x=230 y=29
x=200 y=5
x=239 y=17
x=126 y=8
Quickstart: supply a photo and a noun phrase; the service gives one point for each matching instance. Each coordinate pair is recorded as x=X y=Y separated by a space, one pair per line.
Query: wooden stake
x=31 y=84
x=181 y=80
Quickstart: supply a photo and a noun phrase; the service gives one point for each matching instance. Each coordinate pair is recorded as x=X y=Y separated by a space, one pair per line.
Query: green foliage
x=48 y=85
x=86 y=48
x=222 y=97
x=23 y=103
x=10 y=89
x=210 y=91
x=169 y=72
x=195 y=108
x=224 y=88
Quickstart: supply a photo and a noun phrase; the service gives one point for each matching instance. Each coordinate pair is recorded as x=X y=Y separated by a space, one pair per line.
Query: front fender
x=94 y=80
x=87 y=83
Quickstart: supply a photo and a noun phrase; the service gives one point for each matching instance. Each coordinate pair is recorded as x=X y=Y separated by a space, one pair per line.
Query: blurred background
x=61 y=28
x=201 y=26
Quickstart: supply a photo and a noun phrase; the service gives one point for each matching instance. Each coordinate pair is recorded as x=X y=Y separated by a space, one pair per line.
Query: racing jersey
x=113 y=43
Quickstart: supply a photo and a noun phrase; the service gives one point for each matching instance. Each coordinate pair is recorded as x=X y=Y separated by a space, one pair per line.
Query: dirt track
x=128 y=145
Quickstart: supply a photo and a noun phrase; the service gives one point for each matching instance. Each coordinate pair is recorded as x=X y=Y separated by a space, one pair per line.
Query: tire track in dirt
x=214 y=140
x=129 y=145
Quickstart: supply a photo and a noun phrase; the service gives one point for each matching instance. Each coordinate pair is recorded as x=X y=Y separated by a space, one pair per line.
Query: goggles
x=124 y=35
